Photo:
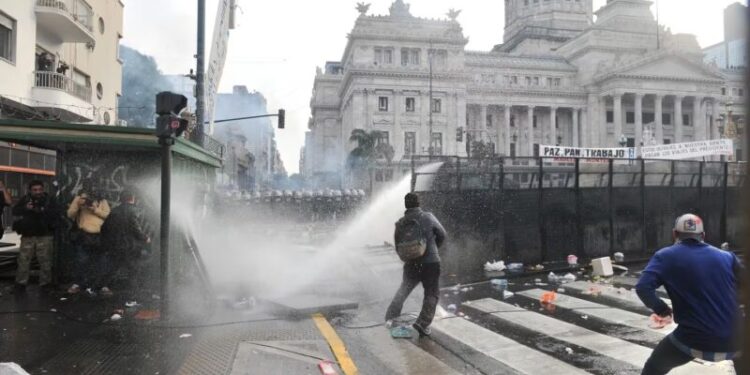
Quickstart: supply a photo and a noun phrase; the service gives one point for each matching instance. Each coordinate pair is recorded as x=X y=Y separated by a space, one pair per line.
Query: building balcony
x=61 y=97
x=69 y=20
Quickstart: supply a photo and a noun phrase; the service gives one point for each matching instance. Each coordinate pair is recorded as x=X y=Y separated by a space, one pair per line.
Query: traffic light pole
x=200 y=105
x=166 y=196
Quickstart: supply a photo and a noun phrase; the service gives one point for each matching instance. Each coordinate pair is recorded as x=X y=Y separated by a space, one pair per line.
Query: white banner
x=689 y=150
x=586 y=153
x=218 y=57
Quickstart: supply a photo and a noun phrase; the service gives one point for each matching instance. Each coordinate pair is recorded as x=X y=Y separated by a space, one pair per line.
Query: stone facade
x=559 y=78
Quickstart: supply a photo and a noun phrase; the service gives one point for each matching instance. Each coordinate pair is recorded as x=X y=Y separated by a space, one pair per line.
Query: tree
x=141 y=81
x=369 y=149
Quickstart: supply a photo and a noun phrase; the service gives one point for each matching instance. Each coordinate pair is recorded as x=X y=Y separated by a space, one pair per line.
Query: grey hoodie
x=434 y=232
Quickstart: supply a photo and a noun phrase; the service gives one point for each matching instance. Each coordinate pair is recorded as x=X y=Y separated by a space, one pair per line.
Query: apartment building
x=59 y=60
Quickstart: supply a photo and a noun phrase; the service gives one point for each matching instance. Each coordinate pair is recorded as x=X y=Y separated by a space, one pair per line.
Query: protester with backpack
x=418 y=236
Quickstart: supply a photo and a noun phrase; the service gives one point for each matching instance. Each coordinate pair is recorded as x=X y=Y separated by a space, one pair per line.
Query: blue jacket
x=434 y=232
x=701 y=281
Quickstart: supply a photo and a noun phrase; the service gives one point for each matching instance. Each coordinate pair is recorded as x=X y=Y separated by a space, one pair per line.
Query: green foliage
x=368 y=151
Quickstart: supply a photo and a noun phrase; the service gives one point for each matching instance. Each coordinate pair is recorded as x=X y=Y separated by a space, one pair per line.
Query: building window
x=437 y=105
x=666 y=119
x=410 y=56
x=734 y=91
x=514 y=80
x=7 y=38
x=558 y=82
x=741 y=92
x=534 y=120
x=536 y=150
x=528 y=81
x=667 y=141
x=610 y=117
x=101 y=25
x=630 y=118
x=489 y=121
x=631 y=142
x=383 y=104
x=382 y=138
x=383 y=56
x=513 y=150
x=512 y=121
x=536 y=81
x=549 y=82
x=648 y=117
x=410 y=143
x=439 y=57
x=411 y=105
x=686 y=120
x=723 y=91
x=437 y=143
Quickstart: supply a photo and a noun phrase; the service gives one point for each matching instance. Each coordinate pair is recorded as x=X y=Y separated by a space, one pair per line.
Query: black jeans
x=667 y=356
x=414 y=273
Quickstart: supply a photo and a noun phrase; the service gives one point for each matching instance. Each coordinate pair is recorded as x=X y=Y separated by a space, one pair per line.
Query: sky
x=277 y=44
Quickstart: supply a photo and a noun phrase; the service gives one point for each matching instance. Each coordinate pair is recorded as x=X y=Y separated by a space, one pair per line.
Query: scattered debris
x=185 y=335
x=452 y=308
x=327 y=368
x=148 y=315
x=620 y=268
x=155 y=296
x=572 y=260
x=115 y=317
x=569 y=278
x=515 y=267
x=548 y=298
x=619 y=257
x=464 y=290
x=538 y=267
x=585 y=317
x=53 y=310
x=507 y=294
x=602 y=267
x=537 y=281
x=63 y=299
x=131 y=304
x=555 y=279
x=569 y=350
x=494 y=266
x=561 y=290
x=593 y=291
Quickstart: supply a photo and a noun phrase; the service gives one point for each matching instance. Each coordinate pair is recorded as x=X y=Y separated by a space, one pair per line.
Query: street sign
x=218 y=57
x=689 y=150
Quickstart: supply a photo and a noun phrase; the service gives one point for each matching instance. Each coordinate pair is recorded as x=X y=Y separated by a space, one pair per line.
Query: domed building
x=565 y=75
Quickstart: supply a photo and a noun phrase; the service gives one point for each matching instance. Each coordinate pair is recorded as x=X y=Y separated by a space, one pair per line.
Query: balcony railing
x=62 y=82
x=76 y=9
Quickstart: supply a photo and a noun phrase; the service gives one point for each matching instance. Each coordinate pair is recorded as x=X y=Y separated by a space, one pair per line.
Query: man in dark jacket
x=701 y=281
x=425 y=270
x=123 y=235
x=37 y=213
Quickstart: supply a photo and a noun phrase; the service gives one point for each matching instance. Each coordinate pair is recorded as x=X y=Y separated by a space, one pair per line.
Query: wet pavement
x=602 y=333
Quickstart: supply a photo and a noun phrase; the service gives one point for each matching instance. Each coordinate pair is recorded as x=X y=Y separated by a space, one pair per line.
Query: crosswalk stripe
x=631 y=282
x=490 y=345
x=606 y=313
x=609 y=294
x=615 y=348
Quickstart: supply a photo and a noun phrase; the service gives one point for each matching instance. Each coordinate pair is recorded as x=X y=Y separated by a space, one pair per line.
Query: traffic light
x=459 y=134
x=282 y=118
x=169 y=124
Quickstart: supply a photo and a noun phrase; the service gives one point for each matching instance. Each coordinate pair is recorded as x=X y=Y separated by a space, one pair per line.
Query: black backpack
x=411 y=242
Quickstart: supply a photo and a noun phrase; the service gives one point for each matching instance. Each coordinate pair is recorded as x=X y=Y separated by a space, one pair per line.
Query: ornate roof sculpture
x=400 y=9
x=453 y=14
x=363 y=8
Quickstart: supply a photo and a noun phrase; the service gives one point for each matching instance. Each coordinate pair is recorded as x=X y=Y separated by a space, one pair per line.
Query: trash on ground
x=572 y=260
x=538 y=267
x=555 y=279
x=148 y=315
x=494 y=266
x=401 y=332
x=569 y=350
x=585 y=317
x=537 y=281
x=501 y=284
x=507 y=294
x=658 y=322
x=115 y=317
x=619 y=257
x=155 y=296
x=131 y=304
x=515 y=267
x=548 y=298
x=53 y=310
x=569 y=278
x=593 y=291
x=602 y=267
x=185 y=335
x=452 y=308
x=63 y=299
x=620 y=268
x=561 y=290
x=464 y=290
x=327 y=368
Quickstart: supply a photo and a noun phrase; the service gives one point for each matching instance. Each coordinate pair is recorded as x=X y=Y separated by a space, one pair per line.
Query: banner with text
x=586 y=153
x=689 y=150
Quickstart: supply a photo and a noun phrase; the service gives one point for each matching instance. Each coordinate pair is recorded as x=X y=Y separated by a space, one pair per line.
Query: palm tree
x=370 y=149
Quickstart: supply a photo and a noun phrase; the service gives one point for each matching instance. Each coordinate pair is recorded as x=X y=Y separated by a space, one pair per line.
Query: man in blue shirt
x=702 y=282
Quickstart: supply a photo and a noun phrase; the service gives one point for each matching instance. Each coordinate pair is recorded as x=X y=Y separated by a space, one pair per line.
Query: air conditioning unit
x=121 y=123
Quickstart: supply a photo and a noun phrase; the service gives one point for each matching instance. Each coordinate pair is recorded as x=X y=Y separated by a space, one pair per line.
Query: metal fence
x=78 y=10
x=62 y=82
x=542 y=209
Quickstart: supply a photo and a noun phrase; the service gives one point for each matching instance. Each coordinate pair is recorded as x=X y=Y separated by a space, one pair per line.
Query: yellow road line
x=336 y=344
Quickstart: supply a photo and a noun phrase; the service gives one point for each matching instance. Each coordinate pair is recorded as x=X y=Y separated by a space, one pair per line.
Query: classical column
x=553 y=126
x=603 y=128
x=715 y=127
x=499 y=143
x=677 y=119
x=461 y=123
x=585 y=129
x=483 y=122
x=506 y=126
x=576 y=132
x=638 y=121
x=618 y=116
x=697 y=118
x=530 y=131
x=658 y=114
